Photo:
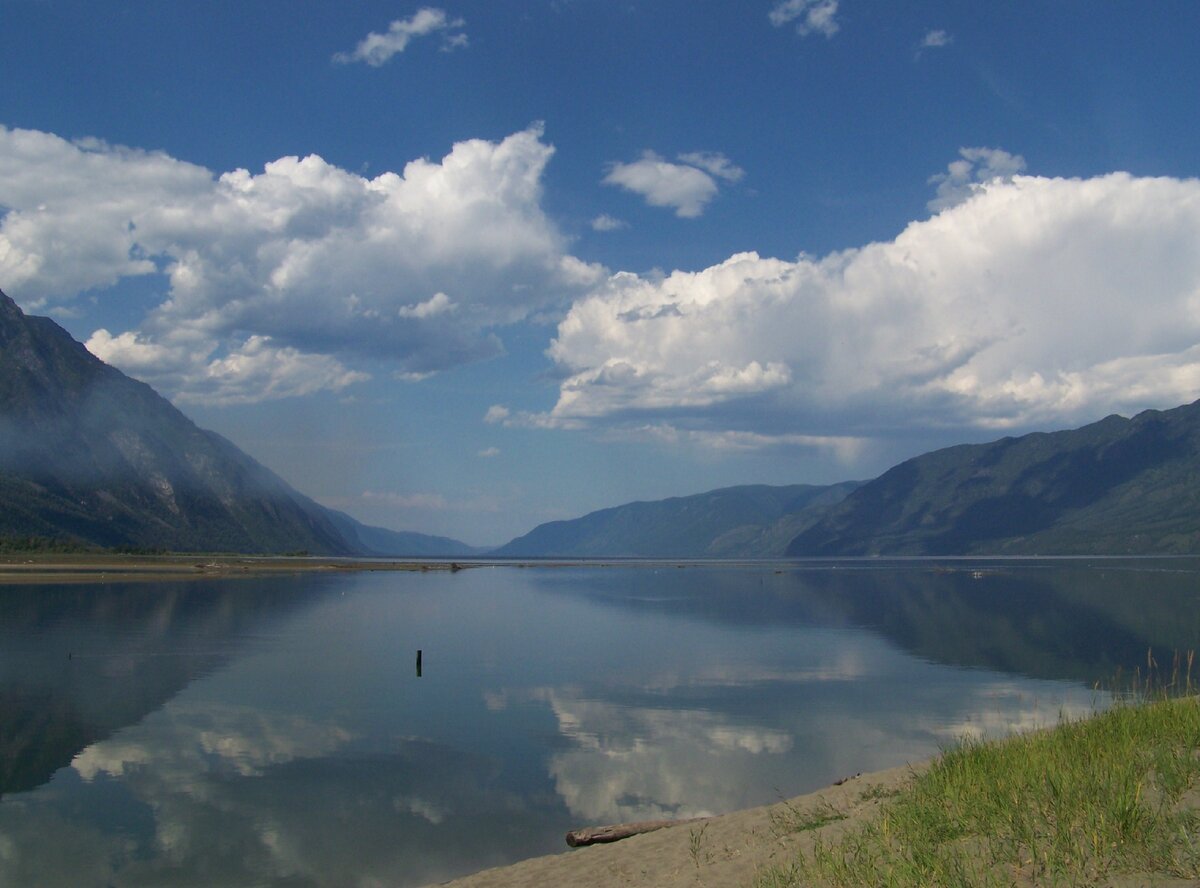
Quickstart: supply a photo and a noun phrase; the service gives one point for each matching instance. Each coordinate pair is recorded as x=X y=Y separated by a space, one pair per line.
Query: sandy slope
x=721 y=851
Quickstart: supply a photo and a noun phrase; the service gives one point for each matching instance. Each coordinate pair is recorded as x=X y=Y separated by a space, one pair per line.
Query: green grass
x=1115 y=793
x=788 y=818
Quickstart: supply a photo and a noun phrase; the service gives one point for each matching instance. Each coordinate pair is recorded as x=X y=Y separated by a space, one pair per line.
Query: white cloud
x=433 y=501
x=438 y=303
x=324 y=264
x=714 y=162
x=810 y=16
x=497 y=413
x=605 y=222
x=686 y=187
x=257 y=370
x=138 y=356
x=844 y=448
x=430 y=502
x=976 y=167
x=376 y=49
x=1034 y=301
x=936 y=38
x=489 y=452
x=253 y=370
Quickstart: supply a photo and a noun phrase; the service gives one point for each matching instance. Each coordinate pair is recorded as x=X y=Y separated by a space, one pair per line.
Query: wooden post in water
x=418 y=662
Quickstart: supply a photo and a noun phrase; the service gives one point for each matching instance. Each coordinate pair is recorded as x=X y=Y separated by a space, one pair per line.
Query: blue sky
x=469 y=267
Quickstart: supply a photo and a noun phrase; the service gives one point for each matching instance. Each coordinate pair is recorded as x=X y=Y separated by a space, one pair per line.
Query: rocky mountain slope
x=1117 y=486
x=89 y=455
x=733 y=522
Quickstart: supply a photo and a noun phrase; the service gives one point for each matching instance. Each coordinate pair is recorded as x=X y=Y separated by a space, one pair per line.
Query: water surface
x=274 y=731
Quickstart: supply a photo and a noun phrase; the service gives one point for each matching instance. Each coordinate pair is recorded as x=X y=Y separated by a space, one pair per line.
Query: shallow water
x=274 y=731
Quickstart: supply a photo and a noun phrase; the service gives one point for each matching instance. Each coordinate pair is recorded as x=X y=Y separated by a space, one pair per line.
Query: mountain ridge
x=1115 y=486
x=750 y=520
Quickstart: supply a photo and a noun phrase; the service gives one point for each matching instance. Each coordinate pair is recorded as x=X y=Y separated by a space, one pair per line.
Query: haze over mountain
x=1117 y=486
x=734 y=522
x=89 y=455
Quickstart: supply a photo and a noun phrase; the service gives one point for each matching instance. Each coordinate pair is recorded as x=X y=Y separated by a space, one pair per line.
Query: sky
x=466 y=268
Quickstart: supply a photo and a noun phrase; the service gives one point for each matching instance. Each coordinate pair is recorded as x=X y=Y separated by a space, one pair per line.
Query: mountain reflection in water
x=274 y=732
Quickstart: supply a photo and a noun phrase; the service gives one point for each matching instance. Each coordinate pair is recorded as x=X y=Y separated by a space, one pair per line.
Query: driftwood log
x=594 y=835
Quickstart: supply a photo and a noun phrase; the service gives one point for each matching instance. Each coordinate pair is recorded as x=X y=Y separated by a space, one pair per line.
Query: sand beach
x=726 y=850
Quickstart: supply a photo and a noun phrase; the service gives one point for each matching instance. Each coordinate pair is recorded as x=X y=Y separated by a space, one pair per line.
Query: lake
x=274 y=731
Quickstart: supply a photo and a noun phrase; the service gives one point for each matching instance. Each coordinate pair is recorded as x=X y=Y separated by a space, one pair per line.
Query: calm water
x=275 y=732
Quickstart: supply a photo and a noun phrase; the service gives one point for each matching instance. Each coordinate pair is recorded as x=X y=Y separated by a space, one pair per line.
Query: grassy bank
x=1110 y=796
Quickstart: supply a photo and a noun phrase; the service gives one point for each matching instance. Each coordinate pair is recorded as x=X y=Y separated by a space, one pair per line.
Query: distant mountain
x=1117 y=486
x=89 y=455
x=381 y=542
x=743 y=522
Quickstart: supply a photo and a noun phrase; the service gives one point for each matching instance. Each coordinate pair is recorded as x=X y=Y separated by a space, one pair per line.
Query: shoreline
x=83 y=567
x=36 y=568
x=33 y=568
x=723 y=850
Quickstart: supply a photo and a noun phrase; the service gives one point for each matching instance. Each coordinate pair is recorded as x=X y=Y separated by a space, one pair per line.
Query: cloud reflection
x=195 y=741
x=639 y=763
x=728 y=737
x=219 y=794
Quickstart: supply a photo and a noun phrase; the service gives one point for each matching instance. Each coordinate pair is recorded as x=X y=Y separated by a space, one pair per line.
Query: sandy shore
x=91 y=568
x=721 y=851
x=728 y=851
x=103 y=567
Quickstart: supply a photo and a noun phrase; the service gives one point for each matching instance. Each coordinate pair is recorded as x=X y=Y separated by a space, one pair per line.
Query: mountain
x=1117 y=486
x=91 y=456
x=743 y=522
x=381 y=542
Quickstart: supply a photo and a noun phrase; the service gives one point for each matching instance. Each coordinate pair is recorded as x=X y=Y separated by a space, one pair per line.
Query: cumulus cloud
x=257 y=369
x=810 y=16
x=304 y=266
x=1026 y=300
x=605 y=222
x=686 y=187
x=975 y=167
x=376 y=49
x=253 y=370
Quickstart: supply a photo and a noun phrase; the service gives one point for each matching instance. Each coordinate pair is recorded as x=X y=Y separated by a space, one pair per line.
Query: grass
x=788 y=818
x=1115 y=793
x=696 y=845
